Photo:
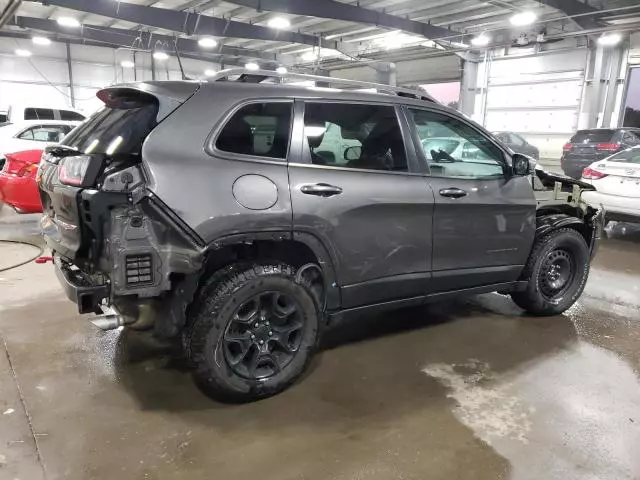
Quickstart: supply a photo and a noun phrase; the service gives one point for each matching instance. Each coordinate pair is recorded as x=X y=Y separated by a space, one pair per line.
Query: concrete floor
x=462 y=390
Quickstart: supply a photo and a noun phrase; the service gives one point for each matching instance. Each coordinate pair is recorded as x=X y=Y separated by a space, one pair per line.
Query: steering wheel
x=441 y=157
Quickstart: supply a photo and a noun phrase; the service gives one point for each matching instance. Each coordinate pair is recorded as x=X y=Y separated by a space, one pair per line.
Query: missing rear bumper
x=78 y=288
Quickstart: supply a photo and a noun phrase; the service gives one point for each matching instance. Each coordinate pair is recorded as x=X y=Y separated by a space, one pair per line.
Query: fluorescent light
x=68 y=22
x=608 y=40
x=94 y=143
x=210 y=73
x=207 y=42
x=127 y=64
x=279 y=22
x=281 y=70
x=160 y=56
x=309 y=56
x=481 y=40
x=21 y=52
x=252 y=66
x=41 y=41
x=523 y=18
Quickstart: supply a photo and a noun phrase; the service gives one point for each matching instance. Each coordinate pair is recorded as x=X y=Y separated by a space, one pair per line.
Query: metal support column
x=386 y=73
x=594 y=92
x=70 y=70
x=468 y=87
x=616 y=58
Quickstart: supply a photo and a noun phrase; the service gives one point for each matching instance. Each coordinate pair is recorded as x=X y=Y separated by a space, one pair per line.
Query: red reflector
x=608 y=147
x=591 y=174
x=44 y=259
x=567 y=147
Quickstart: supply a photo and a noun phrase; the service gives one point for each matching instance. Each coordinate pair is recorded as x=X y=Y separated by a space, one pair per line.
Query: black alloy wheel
x=556 y=274
x=263 y=335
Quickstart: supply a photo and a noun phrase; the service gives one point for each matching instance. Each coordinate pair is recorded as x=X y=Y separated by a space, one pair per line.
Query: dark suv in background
x=518 y=144
x=588 y=146
x=246 y=217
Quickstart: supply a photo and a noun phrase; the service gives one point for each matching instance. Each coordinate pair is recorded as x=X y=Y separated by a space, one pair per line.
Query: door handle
x=320 y=189
x=452 y=192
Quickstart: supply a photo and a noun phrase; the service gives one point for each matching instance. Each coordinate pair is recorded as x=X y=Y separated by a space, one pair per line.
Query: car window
x=354 y=136
x=516 y=139
x=45 y=133
x=593 y=136
x=38 y=114
x=72 y=116
x=474 y=157
x=503 y=137
x=631 y=155
x=630 y=138
x=259 y=129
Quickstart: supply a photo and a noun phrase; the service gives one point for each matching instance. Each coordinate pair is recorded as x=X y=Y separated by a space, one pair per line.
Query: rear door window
x=38 y=114
x=593 y=136
x=258 y=129
x=71 y=116
x=45 y=133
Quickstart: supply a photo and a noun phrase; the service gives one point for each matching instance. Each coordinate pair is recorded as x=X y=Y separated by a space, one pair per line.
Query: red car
x=18 y=186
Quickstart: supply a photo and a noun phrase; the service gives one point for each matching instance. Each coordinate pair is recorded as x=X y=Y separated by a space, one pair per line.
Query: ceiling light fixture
x=252 y=66
x=523 y=18
x=309 y=56
x=21 y=52
x=41 y=41
x=481 y=40
x=127 y=64
x=160 y=56
x=609 y=39
x=281 y=70
x=207 y=42
x=279 y=23
x=68 y=22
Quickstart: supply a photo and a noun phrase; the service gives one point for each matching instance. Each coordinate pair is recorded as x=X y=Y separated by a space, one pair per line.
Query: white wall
x=412 y=72
x=43 y=78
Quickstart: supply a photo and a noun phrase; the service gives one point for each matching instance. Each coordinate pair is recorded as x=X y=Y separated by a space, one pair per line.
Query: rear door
x=356 y=188
x=484 y=219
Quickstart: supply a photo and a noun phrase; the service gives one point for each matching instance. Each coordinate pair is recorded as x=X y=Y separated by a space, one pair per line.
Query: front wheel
x=556 y=272
x=252 y=332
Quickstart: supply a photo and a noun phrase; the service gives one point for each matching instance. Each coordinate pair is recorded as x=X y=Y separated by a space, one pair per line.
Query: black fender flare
x=554 y=221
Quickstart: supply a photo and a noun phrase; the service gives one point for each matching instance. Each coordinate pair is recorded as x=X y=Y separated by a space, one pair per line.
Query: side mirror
x=522 y=165
x=352 y=153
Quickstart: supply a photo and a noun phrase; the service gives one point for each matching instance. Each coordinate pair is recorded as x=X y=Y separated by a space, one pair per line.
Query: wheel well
x=567 y=211
x=294 y=253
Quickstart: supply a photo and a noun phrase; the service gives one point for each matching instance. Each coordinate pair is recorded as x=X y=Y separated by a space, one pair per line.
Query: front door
x=355 y=188
x=484 y=218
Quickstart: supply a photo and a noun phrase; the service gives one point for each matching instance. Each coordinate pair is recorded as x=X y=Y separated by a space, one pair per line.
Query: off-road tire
x=567 y=243
x=213 y=310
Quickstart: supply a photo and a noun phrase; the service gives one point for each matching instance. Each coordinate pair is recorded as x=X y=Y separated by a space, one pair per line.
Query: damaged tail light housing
x=80 y=170
x=592 y=174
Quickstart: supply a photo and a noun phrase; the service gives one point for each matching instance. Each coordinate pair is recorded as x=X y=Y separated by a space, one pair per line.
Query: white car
x=32 y=134
x=617 y=182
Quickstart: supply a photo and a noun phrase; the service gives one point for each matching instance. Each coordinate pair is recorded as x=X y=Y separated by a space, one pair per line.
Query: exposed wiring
x=21 y=242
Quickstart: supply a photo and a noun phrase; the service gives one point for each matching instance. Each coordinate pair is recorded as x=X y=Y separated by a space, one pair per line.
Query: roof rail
x=257 y=76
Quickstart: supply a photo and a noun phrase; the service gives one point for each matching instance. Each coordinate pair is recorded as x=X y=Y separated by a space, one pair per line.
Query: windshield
x=114 y=130
x=631 y=155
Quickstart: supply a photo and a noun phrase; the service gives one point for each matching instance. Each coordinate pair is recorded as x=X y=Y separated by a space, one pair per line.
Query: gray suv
x=244 y=215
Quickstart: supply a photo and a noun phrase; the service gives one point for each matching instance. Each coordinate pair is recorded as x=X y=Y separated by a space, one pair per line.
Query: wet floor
x=461 y=390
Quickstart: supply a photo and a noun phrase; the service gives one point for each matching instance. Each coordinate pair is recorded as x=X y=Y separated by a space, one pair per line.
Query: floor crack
x=34 y=435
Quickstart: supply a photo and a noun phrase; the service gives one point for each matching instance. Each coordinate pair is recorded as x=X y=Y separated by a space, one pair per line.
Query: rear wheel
x=556 y=272
x=252 y=333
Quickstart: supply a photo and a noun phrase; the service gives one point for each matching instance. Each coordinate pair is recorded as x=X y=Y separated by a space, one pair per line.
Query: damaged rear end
x=115 y=245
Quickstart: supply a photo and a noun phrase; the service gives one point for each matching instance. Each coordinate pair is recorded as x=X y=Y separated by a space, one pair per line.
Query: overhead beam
x=145 y=40
x=587 y=14
x=332 y=9
x=188 y=23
